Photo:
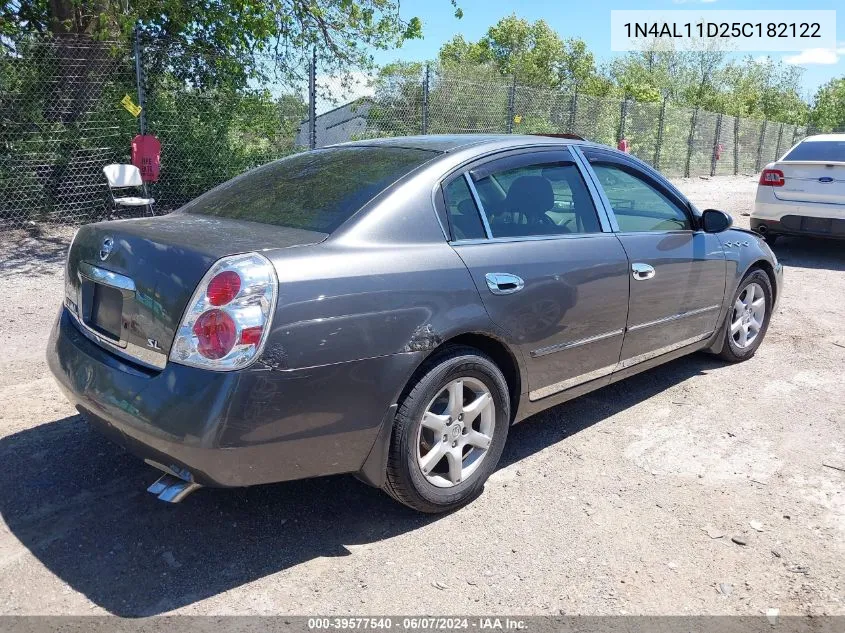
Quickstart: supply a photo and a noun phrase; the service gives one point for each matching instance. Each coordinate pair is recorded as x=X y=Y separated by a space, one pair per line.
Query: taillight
x=772 y=178
x=215 y=331
x=223 y=288
x=228 y=319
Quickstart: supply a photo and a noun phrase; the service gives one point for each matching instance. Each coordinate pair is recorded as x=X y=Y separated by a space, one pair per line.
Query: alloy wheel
x=455 y=432
x=749 y=312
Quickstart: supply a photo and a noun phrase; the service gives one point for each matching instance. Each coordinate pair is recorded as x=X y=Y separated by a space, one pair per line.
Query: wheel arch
x=501 y=354
x=757 y=264
x=507 y=360
x=766 y=266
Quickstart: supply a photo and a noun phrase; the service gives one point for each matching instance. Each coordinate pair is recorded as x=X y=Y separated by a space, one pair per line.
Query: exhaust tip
x=172 y=489
x=761 y=229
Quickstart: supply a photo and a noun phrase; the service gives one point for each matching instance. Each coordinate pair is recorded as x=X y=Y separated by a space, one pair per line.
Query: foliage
x=829 y=106
x=211 y=136
x=209 y=43
x=533 y=51
x=537 y=56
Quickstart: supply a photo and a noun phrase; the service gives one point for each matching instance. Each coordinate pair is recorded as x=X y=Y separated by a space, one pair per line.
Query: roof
x=824 y=137
x=452 y=142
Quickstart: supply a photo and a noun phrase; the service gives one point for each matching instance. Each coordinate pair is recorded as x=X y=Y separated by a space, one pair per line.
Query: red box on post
x=146 y=156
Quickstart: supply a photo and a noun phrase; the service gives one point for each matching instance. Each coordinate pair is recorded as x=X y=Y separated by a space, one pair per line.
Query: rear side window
x=315 y=191
x=463 y=214
x=539 y=199
x=831 y=151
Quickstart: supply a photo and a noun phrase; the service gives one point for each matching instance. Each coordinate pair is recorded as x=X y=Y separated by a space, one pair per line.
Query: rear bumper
x=800 y=225
x=231 y=428
x=791 y=218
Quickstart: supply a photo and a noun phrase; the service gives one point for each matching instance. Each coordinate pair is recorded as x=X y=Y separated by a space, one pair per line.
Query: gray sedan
x=390 y=307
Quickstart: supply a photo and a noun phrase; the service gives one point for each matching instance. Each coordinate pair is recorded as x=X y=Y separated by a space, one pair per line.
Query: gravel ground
x=694 y=488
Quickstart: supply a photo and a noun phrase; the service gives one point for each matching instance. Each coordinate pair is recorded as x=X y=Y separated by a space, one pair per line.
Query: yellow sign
x=517 y=118
x=127 y=103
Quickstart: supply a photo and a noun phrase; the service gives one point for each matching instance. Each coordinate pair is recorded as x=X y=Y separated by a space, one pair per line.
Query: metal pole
x=690 y=139
x=312 y=100
x=780 y=139
x=716 y=138
x=511 y=104
x=736 y=146
x=661 y=124
x=758 y=166
x=573 y=109
x=139 y=79
x=425 y=99
x=623 y=116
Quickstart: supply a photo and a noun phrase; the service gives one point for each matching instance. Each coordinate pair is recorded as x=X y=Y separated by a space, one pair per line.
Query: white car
x=804 y=192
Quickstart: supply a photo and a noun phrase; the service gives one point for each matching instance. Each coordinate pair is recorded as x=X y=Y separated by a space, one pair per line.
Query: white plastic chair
x=124 y=177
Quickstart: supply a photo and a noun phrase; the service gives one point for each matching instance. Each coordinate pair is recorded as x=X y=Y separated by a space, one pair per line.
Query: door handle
x=504 y=283
x=642 y=271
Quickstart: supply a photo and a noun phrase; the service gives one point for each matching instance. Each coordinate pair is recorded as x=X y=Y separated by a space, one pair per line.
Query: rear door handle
x=641 y=271
x=504 y=283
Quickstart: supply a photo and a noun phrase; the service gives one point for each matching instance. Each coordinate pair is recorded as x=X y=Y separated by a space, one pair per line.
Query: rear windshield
x=832 y=151
x=315 y=191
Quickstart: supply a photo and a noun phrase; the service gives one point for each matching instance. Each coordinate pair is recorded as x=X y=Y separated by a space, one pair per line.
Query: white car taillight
x=228 y=319
x=772 y=178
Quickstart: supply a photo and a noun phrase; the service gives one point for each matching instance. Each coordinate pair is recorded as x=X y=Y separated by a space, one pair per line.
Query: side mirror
x=715 y=221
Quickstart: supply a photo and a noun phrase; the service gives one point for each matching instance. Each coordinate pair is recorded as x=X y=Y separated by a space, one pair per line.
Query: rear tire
x=748 y=317
x=449 y=431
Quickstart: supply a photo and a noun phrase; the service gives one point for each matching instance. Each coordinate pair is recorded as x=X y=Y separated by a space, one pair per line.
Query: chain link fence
x=62 y=119
x=680 y=141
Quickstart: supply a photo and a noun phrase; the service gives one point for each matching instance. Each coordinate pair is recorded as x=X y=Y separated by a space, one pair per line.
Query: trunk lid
x=812 y=181
x=131 y=300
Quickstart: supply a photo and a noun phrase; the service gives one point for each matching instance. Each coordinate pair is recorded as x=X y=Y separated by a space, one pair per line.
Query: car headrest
x=530 y=195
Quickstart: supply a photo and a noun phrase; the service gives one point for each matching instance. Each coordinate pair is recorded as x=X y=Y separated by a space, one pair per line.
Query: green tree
x=209 y=42
x=828 y=111
x=532 y=51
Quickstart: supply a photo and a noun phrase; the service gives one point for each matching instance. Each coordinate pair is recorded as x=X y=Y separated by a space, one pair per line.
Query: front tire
x=449 y=431
x=748 y=317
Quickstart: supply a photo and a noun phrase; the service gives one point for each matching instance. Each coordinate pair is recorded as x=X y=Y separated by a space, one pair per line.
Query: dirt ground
x=694 y=488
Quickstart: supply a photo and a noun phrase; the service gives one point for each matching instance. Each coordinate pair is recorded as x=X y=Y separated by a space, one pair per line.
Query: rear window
x=315 y=191
x=831 y=151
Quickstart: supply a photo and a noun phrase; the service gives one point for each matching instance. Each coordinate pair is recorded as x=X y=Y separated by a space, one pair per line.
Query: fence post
x=690 y=139
x=312 y=100
x=780 y=138
x=661 y=123
x=716 y=138
x=794 y=133
x=511 y=105
x=425 y=99
x=573 y=109
x=736 y=146
x=623 y=116
x=139 y=79
x=758 y=165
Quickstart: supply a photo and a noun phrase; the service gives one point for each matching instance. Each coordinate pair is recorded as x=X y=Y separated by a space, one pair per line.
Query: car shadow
x=32 y=252
x=805 y=252
x=77 y=503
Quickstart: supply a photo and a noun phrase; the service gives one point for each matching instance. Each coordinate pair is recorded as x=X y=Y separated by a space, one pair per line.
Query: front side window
x=638 y=205
x=536 y=200
x=315 y=191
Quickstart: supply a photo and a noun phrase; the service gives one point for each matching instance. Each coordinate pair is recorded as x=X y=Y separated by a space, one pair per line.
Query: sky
x=590 y=20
